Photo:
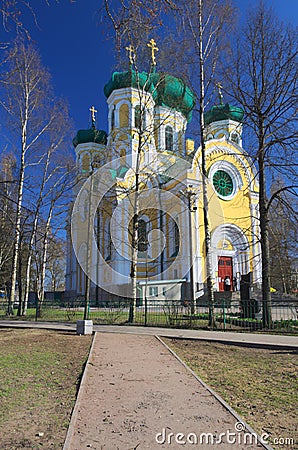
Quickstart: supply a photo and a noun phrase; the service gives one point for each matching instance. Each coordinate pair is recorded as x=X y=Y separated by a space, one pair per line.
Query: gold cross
x=152 y=45
x=219 y=86
x=131 y=54
x=93 y=111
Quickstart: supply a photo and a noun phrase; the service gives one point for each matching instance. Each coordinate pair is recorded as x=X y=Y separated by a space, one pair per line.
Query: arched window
x=173 y=238
x=123 y=115
x=142 y=236
x=180 y=142
x=176 y=239
x=80 y=280
x=98 y=159
x=86 y=163
x=169 y=138
x=107 y=240
x=138 y=116
x=113 y=119
x=82 y=255
x=235 y=138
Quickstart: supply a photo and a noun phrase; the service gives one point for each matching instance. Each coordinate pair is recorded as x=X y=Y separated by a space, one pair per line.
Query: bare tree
x=134 y=22
x=204 y=25
x=33 y=115
x=56 y=264
x=283 y=238
x=56 y=205
x=131 y=24
x=54 y=180
x=263 y=79
x=199 y=28
x=143 y=133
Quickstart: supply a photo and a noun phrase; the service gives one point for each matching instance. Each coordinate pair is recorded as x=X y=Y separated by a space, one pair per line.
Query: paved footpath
x=135 y=394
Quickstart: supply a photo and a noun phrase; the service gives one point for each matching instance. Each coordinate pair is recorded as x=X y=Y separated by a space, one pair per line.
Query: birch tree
x=55 y=205
x=204 y=25
x=30 y=107
x=199 y=28
x=143 y=133
x=54 y=180
x=263 y=79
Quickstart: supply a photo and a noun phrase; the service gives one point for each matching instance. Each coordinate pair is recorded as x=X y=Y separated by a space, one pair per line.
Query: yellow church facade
x=144 y=168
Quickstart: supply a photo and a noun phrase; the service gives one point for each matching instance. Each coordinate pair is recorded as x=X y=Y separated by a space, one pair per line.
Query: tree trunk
x=33 y=232
x=20 y=286
x=134 y=244
x=27 y=283
x=133 y=270
x=210 y=290
x=41 y=288
x=264 y=227
x=17 y=239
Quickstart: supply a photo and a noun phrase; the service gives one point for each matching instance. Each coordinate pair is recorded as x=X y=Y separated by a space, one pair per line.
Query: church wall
x=232 y=214
x=234 y=231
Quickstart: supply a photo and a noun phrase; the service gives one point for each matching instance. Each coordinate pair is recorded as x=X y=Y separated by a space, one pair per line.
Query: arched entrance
x=230 y=256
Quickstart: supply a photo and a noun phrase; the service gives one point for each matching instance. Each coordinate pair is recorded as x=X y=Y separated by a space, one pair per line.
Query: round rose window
x=222 y=183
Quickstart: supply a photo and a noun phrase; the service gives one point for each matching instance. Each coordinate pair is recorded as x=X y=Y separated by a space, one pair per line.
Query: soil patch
x=40 y=372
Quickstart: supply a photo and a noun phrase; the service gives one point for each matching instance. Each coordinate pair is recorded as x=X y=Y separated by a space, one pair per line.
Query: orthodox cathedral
x=154 y=174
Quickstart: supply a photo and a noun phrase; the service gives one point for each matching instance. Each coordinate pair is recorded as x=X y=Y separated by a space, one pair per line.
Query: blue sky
x=75 y=49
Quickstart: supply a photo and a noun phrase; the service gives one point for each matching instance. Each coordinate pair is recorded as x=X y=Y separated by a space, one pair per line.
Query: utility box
x=84 y=326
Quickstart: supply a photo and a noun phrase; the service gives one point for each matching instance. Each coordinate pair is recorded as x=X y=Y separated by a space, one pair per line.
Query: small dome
x=130 y=78
x=90 y=135
x=223 y=112
x=172 y=92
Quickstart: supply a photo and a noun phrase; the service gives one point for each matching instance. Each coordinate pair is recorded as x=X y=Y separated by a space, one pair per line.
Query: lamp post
x=190 y=195
x=88 y=254
x=97 y=257
x=89 y=246
x=85 y=326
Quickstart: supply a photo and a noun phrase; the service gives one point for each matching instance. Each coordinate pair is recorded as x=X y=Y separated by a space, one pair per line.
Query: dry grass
x=260 y=384
x=39 y=375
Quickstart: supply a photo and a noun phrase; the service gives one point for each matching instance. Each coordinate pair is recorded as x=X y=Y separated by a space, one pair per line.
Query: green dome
x=223 y=112
x=130 y=78
x=90 y=135
x=172 y=92
x=166 y=90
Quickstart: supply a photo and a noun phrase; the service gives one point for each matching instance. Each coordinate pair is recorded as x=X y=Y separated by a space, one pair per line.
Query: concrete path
x=135 y=394
x=257 y=339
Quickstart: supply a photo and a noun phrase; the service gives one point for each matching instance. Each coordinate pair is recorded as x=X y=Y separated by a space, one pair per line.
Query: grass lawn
x=40 y=372
x=260 y=384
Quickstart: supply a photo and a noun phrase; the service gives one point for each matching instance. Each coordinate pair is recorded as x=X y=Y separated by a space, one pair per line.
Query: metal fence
x=229 y=315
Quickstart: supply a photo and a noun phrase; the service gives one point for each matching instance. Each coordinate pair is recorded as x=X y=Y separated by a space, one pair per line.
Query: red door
x=225 y=269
